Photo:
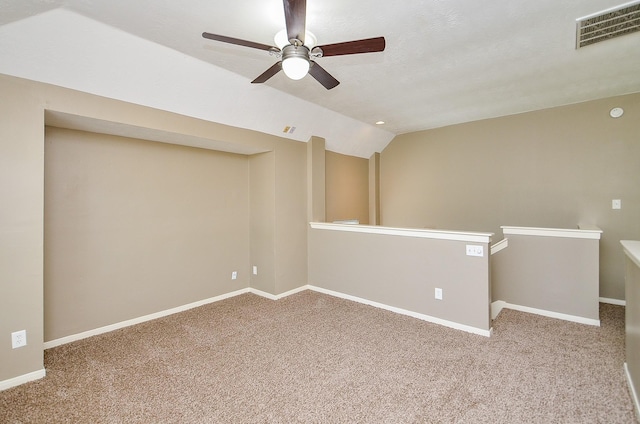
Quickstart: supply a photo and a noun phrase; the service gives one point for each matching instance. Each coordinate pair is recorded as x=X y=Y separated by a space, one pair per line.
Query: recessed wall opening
x=132 y=227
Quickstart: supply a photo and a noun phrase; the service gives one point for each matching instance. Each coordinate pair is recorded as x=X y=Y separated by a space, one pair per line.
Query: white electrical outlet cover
x=18 y=339
x=474 y=250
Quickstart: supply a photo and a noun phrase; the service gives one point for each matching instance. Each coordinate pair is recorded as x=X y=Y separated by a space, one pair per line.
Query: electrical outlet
x=18 y=339
x=474 y=250
x=255 y=270
x=438 y=293
x=234 y=275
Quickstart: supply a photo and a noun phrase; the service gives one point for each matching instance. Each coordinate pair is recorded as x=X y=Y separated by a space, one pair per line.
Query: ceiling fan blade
x=237 y=41
x=368 y=45
x=295 y=15
x=322 y=76
x=268 y=73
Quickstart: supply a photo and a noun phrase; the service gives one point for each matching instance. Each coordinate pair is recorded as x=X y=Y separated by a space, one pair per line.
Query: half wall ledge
x=583 y=232
x=406 y=232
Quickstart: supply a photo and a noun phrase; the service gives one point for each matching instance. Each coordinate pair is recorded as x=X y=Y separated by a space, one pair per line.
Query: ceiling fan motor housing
x=295 y=51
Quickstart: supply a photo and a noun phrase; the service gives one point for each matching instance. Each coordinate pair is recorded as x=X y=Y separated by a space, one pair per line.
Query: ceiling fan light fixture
x=295 y=67
x=295 y=61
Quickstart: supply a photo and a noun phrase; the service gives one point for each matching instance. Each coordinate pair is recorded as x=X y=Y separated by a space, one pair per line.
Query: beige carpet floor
x=313 y=358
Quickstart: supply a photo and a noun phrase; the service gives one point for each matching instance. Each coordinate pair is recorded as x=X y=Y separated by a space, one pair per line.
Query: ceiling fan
x=297 y=49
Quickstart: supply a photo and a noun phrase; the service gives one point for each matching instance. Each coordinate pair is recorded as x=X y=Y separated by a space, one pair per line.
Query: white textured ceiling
x=446 y=61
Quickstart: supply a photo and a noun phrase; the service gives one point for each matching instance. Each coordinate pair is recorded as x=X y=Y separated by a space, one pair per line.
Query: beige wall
x=22 y=218
x=374 y=189
x=553 y=274
x=262 y=218
x=291 y=216
x=21 y=228
x=347 y=188
x=403 y=272
x=134 y=227
x=316 y=159
x=551 y=168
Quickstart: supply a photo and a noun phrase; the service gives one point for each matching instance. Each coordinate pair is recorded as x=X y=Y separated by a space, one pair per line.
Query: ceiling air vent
x=607 y=24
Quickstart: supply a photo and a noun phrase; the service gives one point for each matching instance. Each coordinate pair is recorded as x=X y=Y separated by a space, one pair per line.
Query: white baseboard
x=499 y=305
x=496 y=307
x=619 y=302
x=127 y=323
x=21 y=379
x=632 y=390
x=278 y=296
x=134 y=321
x=123 y=324
x=446 y=323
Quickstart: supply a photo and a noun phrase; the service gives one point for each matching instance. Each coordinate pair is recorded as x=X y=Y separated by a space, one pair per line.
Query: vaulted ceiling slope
x=445 y=62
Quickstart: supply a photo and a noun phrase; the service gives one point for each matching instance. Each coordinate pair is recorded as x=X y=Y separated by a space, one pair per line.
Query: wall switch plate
x=616 y=204
x=474 y=250
x=234 y=275
x=18 y=339
x=255 y=270
x=438 y=293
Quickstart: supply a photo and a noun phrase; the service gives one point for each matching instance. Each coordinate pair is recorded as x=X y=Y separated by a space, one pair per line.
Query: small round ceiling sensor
x=616 y=112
